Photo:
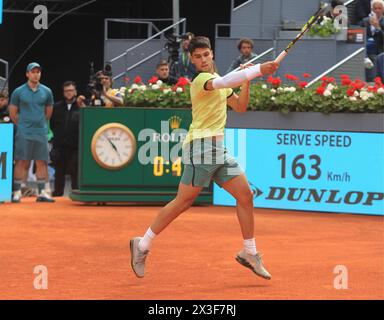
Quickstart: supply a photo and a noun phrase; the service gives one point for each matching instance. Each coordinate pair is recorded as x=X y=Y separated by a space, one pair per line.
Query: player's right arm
x=235 y=79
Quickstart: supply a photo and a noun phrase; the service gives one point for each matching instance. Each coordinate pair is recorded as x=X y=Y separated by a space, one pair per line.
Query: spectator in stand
x=186 y=67
x=245 y=47
x=363 y=9
x=375 y=33
x=162 y=72
x=65 y=127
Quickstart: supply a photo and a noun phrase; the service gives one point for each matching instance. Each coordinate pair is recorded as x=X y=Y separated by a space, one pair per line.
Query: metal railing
x=336 y=66
x=257 y=58
x=149 y=39
x=150 y=25
x=347 y=3
x=141 y=62
x=239 y=6
x=125 y=54
x=263 y=26
x=6 y=69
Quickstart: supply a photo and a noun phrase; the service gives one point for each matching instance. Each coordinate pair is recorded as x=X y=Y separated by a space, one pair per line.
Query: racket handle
x=281 y=56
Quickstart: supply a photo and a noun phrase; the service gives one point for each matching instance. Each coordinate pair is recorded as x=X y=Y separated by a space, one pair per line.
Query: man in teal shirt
x=30 y=108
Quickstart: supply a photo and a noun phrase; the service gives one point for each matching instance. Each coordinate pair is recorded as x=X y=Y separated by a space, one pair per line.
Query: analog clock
x=113 y=146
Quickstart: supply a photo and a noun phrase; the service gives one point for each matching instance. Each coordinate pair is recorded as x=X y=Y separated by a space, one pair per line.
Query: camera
x=95 y=85
x=173 y=46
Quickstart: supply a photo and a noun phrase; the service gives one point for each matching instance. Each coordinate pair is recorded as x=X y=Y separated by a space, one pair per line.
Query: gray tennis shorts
x=207 y=160
x=31 y=148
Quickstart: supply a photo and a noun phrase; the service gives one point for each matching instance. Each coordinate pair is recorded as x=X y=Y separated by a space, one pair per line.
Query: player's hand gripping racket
x=311 y=22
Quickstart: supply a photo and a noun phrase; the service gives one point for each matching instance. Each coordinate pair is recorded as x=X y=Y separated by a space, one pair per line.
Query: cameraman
x=186 y=67
x=105 y=95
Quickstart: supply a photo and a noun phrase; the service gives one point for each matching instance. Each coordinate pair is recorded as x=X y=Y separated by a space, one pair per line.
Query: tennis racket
x=311 y=22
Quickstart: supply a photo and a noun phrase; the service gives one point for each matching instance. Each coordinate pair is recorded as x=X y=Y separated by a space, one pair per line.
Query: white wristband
x=235 y=79
x=253 y=72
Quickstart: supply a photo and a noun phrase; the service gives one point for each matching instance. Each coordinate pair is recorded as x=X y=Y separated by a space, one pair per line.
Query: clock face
x=113 y=146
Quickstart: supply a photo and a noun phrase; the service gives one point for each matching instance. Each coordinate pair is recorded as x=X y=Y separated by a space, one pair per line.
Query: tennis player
x=205 y=157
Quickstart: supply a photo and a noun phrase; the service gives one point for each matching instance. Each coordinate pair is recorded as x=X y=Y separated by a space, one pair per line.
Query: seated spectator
x=108 y=97
x=363 y=9
x=186 y=67
x=245 y=47
x=4 y=113
x=162 y=72
x=375 y=32
x=375 y=28
x=380 y=66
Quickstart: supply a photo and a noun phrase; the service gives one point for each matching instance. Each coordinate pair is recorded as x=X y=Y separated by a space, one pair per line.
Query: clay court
x=86 y=251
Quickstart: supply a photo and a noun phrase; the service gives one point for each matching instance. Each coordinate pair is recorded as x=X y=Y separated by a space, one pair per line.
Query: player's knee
x=185 y=201
x=245 y=197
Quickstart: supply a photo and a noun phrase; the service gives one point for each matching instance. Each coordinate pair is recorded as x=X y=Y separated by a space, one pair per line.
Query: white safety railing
x=158 y=34
x=239 y=6
x=336 y=66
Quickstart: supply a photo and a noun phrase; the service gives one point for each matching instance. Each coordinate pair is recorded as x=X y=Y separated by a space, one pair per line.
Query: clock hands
x=114 y=147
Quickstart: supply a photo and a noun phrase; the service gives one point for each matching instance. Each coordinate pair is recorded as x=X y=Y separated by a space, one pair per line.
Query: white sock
x=48 y=187
x=146 y=242
x=250 y=246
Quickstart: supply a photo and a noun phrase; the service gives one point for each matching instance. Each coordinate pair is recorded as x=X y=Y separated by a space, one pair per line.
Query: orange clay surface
x=86 y=251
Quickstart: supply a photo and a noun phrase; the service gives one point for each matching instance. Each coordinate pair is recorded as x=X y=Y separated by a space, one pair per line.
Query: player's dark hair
x=246 y=41
x=199 y=42
x=69 y=83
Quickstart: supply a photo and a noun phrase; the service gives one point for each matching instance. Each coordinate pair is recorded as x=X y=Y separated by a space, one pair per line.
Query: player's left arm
x=240 y=102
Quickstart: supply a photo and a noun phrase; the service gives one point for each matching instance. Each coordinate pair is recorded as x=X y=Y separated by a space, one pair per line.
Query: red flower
x=344 y=76
x=351 y=92
x=320 y=90
x=358 y=84
x=346 y=82
x=307 y=75
x=291 y=77
x=276 y=82
x=372 y=88
x=324 y=79
x=270 y=79
x=331 y=79
x=378 y=81
x=138 y=80
x=153 y=80
x=303 y=84
x=182 y=82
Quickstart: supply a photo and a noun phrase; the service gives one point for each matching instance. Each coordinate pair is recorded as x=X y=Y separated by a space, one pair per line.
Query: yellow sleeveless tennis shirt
x=209 y=109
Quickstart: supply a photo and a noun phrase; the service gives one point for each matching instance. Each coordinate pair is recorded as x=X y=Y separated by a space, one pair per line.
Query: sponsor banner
x=310 y=170
x=6 y=161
